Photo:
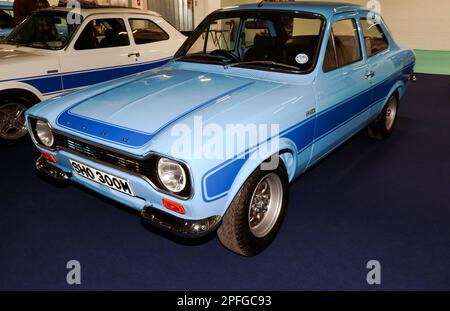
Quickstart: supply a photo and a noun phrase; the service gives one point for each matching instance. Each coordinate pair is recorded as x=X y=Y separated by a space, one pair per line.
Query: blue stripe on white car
x=51 y=84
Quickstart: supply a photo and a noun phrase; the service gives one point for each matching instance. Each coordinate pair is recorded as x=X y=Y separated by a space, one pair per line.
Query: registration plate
x=111 y=181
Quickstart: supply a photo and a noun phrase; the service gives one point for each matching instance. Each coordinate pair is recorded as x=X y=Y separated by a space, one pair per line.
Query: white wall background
x=203 y=7
x=418 y=24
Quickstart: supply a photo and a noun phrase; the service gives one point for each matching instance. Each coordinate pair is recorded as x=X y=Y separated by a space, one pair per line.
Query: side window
x=103 y=33
x=145 y=31
x=6 y=21
x=343 y=46
x=346 y=42
x=330 y=62
x=374 y=38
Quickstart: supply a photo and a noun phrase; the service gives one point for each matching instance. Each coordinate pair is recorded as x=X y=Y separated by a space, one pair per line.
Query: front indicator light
x=173 y=206
x=49 y=157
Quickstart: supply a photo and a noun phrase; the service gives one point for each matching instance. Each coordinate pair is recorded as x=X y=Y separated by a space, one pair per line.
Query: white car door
x=155 y=40
x=101 y=50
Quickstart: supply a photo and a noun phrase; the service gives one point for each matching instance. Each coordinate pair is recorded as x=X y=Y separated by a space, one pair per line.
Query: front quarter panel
x=217 y=180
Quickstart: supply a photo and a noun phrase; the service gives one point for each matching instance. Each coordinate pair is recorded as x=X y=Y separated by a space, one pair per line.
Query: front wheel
x=12 y=119
x=256 y=213
x=384 y=124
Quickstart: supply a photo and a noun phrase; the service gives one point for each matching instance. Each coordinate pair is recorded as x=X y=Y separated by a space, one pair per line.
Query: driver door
x=342 y=88
x=100 y=51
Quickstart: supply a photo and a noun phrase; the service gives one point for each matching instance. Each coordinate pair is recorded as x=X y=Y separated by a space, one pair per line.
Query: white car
x=55 y=51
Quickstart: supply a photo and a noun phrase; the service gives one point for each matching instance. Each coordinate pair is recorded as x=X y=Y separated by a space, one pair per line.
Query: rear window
x=146 y=31
x=375 y=40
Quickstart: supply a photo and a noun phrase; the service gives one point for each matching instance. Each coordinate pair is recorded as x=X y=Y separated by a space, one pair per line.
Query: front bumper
x=45 y=168
x=180 y=226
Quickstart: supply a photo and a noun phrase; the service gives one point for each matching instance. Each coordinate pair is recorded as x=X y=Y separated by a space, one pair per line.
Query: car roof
x=89 y=10
x=320 y=7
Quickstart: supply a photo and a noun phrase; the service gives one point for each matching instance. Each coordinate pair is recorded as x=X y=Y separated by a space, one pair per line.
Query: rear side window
x=343 y=46
x=375 y=40
x=103 y=33
x=145 y=31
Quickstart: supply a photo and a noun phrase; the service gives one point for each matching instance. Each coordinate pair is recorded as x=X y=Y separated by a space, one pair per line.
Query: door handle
x=137 y=54
x=369 y=74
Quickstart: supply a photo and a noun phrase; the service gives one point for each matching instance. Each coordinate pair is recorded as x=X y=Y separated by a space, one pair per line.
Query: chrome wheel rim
x=12 y=121
x=391 y=112
x=265 y=205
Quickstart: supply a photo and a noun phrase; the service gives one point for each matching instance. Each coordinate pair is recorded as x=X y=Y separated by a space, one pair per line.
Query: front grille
x=145 y=167
x=142 y=167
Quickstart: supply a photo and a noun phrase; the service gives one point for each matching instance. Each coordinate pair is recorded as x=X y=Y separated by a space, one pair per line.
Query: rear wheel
x=384 y=124
x=12 y=119
x=256 y=213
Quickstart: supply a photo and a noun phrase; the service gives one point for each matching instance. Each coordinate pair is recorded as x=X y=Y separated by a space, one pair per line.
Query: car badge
x=310 y=112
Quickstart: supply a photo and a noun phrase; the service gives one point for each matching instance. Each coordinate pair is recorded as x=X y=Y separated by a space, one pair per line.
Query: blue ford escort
x=255 y=96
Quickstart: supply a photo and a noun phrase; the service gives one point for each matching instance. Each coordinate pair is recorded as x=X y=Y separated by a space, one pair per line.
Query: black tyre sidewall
x=18 y=99
x=378 y=127
x=251 y=243
x=385 y=131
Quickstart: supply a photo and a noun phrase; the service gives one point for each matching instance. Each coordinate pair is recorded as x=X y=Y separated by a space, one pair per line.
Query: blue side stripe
x=217 y=181
x=219 y=184
x=46 y=85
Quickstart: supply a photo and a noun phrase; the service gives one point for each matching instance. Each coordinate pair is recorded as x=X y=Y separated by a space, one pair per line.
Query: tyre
x=384 y=124
x=256 y=213
x=12 y=119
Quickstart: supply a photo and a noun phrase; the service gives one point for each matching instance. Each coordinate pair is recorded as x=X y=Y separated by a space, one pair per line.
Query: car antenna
x=261 y=4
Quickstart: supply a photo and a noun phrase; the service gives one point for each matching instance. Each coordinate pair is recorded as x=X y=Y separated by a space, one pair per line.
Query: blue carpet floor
x=388 y=201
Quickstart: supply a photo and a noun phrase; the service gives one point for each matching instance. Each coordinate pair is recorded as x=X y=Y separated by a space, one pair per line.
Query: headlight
x=172 y=175
x=44 y=133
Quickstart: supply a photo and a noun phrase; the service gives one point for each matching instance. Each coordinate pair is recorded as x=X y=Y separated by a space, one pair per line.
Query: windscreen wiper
x=265 y=63
x=202 y=55
x=41 y=44
x=14 y=42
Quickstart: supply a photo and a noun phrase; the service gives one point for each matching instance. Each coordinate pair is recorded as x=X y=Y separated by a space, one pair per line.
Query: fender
x=398 y=86
x=288 y=154
x=404 y=77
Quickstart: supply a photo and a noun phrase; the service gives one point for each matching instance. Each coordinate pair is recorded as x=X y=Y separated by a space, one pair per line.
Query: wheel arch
x=22 y=89
x=398 y=89
x=287 y=154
